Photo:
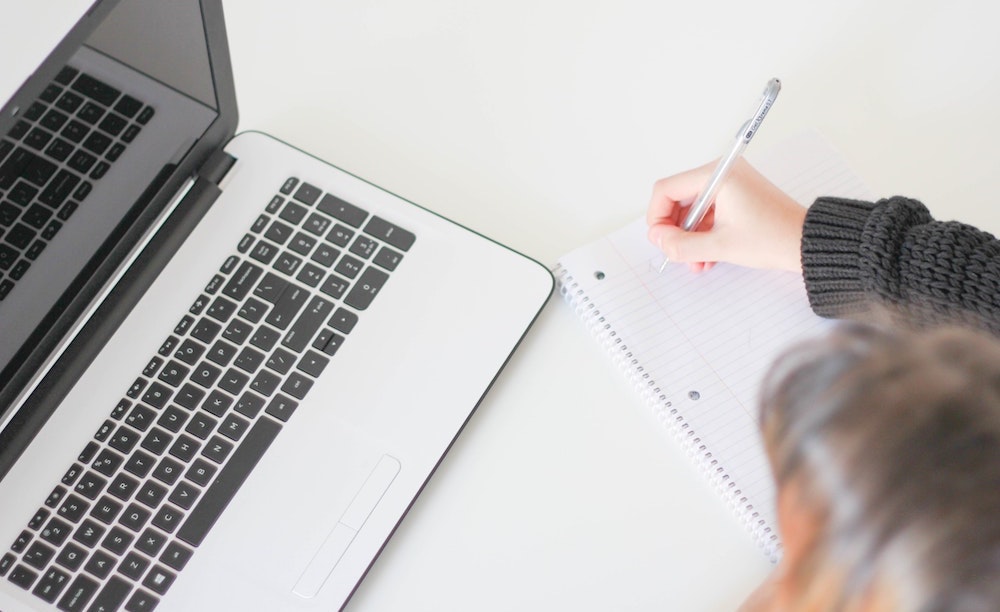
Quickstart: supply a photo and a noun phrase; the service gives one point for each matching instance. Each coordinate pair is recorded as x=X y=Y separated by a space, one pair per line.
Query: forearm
x=858 y=257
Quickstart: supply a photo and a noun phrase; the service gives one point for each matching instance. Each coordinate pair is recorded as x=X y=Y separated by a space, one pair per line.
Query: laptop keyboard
x=145 y=491
x=64 y=141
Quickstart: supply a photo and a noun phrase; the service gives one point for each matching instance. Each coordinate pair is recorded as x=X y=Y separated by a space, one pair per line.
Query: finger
x=669 y=192
x=685 y=247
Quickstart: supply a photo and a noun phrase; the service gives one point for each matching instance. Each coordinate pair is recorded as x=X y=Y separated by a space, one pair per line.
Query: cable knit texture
x=860 y=257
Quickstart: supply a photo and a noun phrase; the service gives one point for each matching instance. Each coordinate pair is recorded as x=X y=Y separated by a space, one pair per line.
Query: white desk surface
x=543 y=124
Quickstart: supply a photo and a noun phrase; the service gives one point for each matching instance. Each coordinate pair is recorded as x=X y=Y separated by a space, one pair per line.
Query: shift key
x=302 y=333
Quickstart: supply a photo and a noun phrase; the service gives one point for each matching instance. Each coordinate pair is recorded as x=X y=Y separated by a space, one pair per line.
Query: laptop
x=227 y=368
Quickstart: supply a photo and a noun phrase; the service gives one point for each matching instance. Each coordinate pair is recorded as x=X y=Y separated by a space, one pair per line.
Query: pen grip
x=706 y=198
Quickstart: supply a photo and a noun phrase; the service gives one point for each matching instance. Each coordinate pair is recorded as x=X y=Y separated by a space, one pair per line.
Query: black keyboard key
x=106 y=510
x=91 y=485
x=233 y=427
x=66 y=75
x=98 y=90
x=221 y=309
x=113 y=124
x=150 y=542
x=78 y=594
x=317 y=224
x=217 y=403
x=387 y=258
x=100 y=170
x=37 y=139
x=297 y=385
x=292 y=299
x=344 y=211
x=222 y=353
x=117 y=541
x=281 y=407
x=6 y=562
x=19 y=130
x=112 y=596
x=201 y=425
x=281 y=361
x=135 y=517
x=51 y=585
x=54 y=498
x=310 y=275
x=249 y=405
x=175 y=556
x=349 y=266
x=159 y=580
x=139 y=464
x=90 y=113
x=73 y=508
x=217 y=449
x=75 y=131
x=54 y=120
x=146 y=114
x=393 y=234
x=287 y=263
x=97 y=143
x=206 y=330
x=278 y=232
x=168 y=518
x=23 y=577
x=228 y=482
x=306 y=193
x=24 y=163
x=72 y=557
x=302 y=332
x=301 y=243
x=7 y=256
x=141 y=601
x=293 y=213
x=56 y=531
x=107 y=462
x=343 y=320
x=172 y=419
x=141 y=417
x=340 y=235
x=36 y=110
x=168 y=471
x=253 y=310
x=130 y=133
x=114 y=152
x=289 y=185
x=82 y=161
x=157 y=441
x=100 y=564
x=200 y=472
x=265 y=383
x=83 y=190
x=243 y=280
x=363 y=247
x=123 y=487
x=313 y=364
x=264 y=252
x=89 y=533
x=366 y=288
x=125 y=439
x=39 y=518
x=151 y=494
x=128 y=106
x=22 y=541
x=133 y=566
x=69 y=102
x=38 y=555
x=265 y=338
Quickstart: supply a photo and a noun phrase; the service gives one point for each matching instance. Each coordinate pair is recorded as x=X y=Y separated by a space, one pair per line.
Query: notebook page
x=698 y=345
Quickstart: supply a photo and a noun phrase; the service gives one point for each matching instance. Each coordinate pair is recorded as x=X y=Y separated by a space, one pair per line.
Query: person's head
x=886 y=450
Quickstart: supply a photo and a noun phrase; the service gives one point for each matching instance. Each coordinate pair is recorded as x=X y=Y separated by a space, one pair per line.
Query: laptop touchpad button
x=347 y=527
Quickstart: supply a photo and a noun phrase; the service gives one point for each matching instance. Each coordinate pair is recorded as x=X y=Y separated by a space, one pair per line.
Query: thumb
x=684 y=247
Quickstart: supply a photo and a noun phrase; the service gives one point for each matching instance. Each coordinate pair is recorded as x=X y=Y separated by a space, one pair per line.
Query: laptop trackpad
x=350 y=523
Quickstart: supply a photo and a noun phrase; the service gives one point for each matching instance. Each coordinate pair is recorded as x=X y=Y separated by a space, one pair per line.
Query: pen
x=745 y=134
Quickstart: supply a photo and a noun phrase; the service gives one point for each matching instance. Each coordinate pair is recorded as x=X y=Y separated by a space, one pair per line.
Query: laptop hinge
x=110 y=308
x=217 y=166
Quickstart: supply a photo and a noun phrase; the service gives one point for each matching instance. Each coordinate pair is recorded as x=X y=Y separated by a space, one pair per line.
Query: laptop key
x=92 y=88
x=344 y=211
x=51 y=585
x=23 y=577
x=78 y=594
x=112 y=596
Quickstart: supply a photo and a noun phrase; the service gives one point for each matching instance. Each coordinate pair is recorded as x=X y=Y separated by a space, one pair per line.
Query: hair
x=893 y=438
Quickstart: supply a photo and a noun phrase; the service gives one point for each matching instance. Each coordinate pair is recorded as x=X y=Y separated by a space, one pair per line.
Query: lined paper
x=699 y=344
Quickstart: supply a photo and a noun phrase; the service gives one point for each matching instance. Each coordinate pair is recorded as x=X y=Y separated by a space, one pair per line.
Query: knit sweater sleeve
x=859 y=257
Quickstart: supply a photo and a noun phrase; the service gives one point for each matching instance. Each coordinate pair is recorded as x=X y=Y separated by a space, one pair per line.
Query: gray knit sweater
x=862 y=257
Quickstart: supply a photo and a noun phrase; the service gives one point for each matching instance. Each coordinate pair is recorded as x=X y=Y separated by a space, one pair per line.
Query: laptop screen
x=89 y=160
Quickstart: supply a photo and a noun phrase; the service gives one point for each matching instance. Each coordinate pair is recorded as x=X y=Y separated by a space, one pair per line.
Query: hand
x=753 y=223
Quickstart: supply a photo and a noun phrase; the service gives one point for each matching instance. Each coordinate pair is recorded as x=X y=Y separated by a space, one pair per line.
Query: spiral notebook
x=697 y=346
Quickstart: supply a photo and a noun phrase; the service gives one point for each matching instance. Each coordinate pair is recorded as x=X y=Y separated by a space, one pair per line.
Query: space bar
x=228 y=482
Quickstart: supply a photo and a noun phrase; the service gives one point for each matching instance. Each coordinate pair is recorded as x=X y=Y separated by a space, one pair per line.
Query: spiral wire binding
x=666 y=414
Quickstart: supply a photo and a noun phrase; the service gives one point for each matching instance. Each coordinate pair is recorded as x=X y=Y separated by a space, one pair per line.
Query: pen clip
x=749 y=128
